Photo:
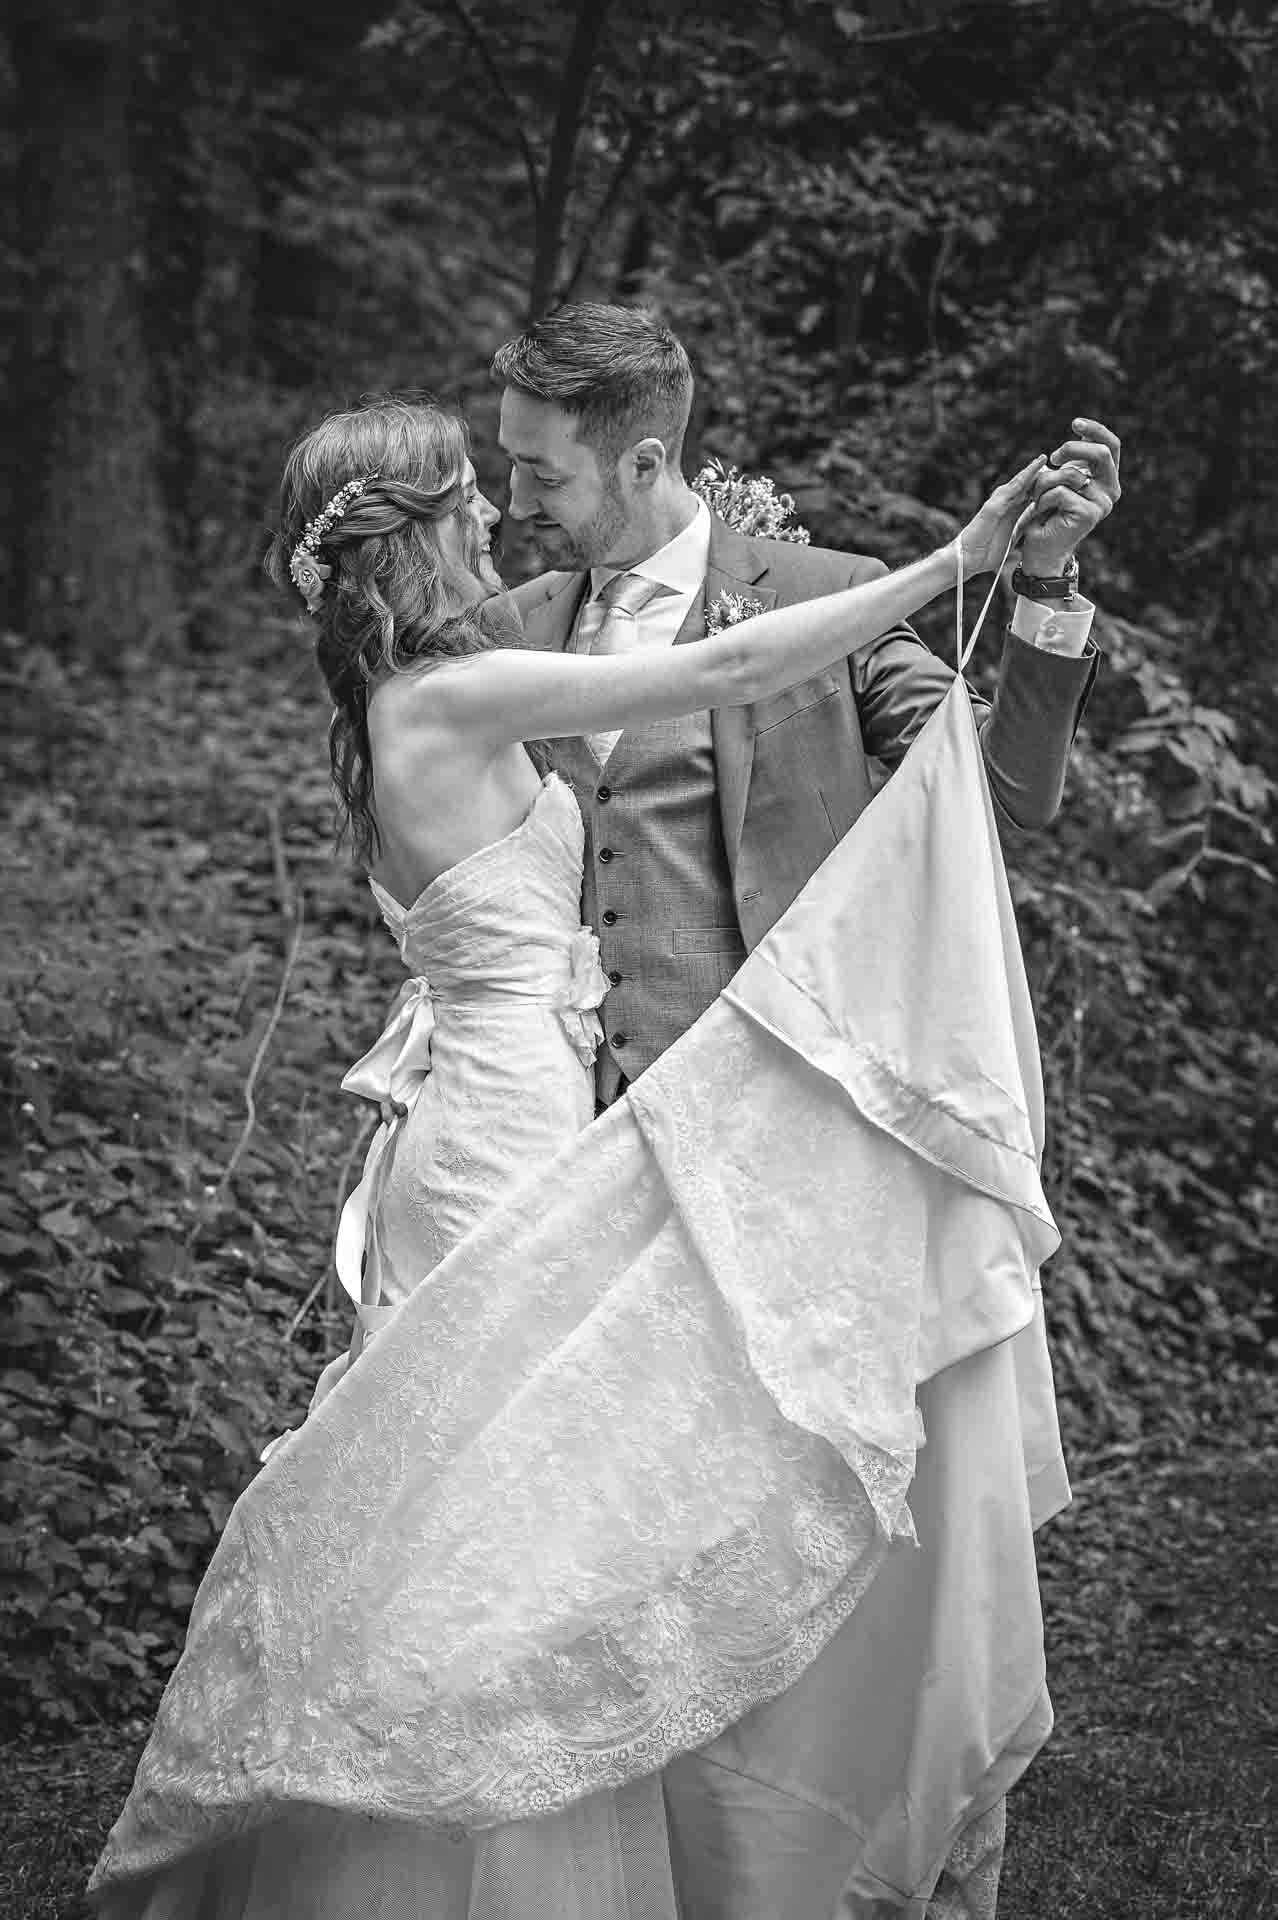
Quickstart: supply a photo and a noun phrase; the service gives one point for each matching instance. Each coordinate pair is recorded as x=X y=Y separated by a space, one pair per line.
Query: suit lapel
x=736 y=565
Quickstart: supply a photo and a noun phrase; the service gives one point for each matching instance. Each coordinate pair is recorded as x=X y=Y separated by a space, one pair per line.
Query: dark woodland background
x=906 y=243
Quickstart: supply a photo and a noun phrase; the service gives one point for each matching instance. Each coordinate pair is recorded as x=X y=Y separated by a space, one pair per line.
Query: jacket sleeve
x=1026 y=731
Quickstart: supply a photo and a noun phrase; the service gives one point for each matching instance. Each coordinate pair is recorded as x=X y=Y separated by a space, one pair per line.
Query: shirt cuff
x=1051 y=627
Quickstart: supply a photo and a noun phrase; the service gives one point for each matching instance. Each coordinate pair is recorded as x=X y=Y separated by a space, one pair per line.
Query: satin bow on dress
x=391 y=1074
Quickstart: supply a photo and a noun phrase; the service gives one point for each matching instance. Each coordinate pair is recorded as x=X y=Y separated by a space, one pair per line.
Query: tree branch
x=507 y=98
x=1219 y=855
x=326 y=1284
x=944 y=254
x=607 y=206
x=292 y=909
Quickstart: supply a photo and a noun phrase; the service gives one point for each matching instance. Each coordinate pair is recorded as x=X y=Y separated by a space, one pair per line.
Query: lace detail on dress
x=968 y=1886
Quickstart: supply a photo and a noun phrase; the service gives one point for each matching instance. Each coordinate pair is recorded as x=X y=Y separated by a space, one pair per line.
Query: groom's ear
x=648 y=461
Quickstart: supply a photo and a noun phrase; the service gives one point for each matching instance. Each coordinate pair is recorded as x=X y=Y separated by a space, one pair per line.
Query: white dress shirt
x=680 y=567
x=1053 y=628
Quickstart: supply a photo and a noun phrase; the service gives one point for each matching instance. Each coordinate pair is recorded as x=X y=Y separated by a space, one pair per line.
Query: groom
x=700 y=832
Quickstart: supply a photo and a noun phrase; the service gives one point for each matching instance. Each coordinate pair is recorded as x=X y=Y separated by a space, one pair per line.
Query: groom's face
x=575 y=509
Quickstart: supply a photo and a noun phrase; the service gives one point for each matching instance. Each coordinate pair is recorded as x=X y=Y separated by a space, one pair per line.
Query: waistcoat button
x=608 y=917
x=604 y=794
x=615 y=978
x=618 y=1039
x=605 y=855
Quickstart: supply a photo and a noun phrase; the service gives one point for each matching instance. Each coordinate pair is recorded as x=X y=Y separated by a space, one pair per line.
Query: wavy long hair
x=394 y=599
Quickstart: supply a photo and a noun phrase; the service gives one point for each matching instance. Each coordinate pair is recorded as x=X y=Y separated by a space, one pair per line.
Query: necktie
x=610 y=624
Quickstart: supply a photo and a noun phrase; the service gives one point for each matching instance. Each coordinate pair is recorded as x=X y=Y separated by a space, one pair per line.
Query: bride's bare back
x=436 y=799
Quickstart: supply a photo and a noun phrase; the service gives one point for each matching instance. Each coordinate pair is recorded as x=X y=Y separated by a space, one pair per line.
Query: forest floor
x=172 y=905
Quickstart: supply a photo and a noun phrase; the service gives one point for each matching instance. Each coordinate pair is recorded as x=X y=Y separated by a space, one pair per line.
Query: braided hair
x=391 y=598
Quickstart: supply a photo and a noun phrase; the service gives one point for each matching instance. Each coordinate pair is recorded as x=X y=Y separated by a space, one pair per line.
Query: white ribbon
x=392 y=1073
x=587 y=985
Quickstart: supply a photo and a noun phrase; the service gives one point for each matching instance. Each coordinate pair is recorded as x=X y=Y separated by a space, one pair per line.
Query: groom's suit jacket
x=792 y=773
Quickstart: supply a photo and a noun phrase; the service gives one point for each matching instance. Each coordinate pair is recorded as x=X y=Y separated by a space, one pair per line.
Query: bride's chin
x=480 y=581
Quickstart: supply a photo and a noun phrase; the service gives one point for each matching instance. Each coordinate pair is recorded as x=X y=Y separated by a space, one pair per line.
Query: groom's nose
x=523 y=499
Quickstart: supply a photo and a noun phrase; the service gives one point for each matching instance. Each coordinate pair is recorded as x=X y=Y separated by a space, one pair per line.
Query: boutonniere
x=749 y=504
x=729 y=608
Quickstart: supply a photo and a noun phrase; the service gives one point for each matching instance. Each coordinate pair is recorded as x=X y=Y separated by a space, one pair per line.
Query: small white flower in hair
x=307 y=572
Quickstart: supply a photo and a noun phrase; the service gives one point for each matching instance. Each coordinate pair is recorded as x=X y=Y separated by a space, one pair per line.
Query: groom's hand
x=1068 y=506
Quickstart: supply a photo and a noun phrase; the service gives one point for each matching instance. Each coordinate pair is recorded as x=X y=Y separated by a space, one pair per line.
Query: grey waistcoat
x=657 y=888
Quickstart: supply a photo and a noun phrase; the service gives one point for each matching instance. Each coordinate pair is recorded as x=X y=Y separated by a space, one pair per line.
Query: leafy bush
x=151 y=1280
x=137 y=1401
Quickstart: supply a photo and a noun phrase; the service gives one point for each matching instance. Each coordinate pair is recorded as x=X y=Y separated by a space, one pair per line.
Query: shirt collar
x=680 y=565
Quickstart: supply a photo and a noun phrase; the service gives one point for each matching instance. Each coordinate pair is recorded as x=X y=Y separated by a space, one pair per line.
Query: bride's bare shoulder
x=411 y=696
x=451 y=696
x=420 y=737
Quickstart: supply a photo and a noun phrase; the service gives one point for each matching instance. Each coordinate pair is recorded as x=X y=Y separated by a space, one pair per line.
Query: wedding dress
x=630 y=1457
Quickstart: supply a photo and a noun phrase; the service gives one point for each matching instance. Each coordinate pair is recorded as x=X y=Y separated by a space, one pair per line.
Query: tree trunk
x=91 y=549
x=553 y=212
x=207 y=185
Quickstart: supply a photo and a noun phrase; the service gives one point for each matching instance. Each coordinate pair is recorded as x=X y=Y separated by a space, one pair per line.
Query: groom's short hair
x=618 y=371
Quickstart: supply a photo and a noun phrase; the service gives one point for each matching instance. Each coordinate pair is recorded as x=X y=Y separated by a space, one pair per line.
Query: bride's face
x=466 y=535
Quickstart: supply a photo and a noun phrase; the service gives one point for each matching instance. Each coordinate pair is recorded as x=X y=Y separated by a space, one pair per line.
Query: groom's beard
x=587 y=546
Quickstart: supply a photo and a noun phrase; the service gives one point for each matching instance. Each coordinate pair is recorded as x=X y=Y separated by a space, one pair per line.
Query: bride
x=636 y=1453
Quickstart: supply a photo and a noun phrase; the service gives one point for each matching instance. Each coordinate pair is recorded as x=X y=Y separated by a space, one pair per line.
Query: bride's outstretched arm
x=499 y=697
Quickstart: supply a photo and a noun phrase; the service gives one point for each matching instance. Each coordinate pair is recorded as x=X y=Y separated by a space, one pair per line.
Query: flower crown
x=748 y=503
x=307 y=573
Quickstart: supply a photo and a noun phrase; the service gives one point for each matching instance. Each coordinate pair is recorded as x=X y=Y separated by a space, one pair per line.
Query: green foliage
x=148 y=1301
x=1160 y=1157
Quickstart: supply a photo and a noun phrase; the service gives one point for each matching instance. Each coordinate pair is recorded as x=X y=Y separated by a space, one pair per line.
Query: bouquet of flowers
x=748 y=503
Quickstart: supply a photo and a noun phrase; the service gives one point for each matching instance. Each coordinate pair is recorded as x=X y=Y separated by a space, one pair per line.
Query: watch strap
x=1035 y=586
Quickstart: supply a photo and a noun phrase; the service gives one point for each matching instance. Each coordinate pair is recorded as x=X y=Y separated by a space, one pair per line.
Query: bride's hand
x=988 y=534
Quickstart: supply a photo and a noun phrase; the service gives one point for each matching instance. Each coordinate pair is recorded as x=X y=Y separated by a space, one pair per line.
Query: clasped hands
x=1051 y=505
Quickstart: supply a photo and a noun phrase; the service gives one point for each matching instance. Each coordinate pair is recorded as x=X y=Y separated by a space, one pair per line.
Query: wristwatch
x=1060 y=586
